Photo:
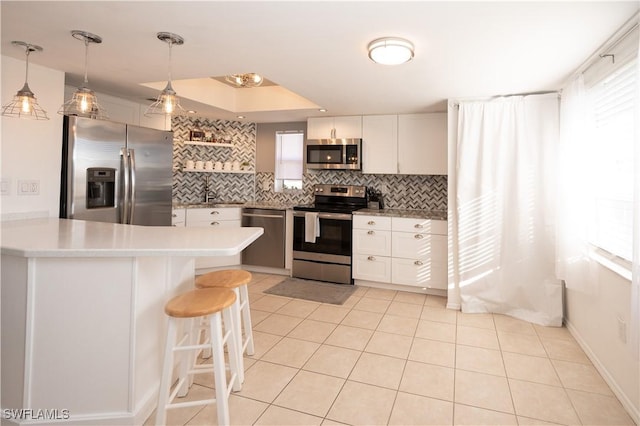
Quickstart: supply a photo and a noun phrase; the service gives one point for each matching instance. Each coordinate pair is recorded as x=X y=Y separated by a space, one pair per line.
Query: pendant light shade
x=390 y=51
x=84 y=102
x=167 y=103
x=24 y=103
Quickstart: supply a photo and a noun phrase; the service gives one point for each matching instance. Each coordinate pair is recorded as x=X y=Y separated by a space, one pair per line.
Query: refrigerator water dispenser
x=101 y=183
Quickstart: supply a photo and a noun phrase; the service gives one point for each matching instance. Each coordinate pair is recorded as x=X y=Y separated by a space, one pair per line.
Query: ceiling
x=315 y=52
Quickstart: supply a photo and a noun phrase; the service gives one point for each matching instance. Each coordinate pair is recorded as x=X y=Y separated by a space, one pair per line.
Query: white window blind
x=614 y=105
x=289 y=160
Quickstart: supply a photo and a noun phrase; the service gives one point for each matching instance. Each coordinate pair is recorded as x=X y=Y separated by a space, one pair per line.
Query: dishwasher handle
x=267 y=216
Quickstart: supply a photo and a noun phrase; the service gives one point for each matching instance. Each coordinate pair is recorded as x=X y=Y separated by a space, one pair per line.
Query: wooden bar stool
x=236 y=280
x=215 y=304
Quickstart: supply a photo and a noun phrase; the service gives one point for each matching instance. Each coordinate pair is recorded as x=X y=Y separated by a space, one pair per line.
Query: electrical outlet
x=622 y=330
x=28 y=187
x=5 y=187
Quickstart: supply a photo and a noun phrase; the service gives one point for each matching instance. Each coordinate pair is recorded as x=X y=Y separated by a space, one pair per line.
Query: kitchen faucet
x=209 y=194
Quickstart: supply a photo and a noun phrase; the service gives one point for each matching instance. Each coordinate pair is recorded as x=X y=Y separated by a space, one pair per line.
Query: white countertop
x=52 y=237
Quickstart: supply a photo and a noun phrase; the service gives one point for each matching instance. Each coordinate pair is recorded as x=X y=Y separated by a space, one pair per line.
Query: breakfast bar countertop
x=52 y=237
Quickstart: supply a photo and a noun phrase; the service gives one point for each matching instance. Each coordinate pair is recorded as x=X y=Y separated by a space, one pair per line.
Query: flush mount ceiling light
x=390 y=50
x=24 y=103
x=84 y=102
x=167 y=103
x=249 y=79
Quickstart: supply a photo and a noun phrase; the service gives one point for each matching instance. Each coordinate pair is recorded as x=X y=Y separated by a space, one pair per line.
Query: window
x=289 y=158
x=613 y=102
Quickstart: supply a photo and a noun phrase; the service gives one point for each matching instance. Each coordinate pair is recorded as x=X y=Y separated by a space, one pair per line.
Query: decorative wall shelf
x=210 y=144
x=217 y=171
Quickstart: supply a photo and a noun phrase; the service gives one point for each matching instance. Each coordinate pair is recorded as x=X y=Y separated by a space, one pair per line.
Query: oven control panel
x=341 y=190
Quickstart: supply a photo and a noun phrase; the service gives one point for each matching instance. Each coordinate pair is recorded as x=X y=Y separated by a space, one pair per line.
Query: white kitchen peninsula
x=82 y=314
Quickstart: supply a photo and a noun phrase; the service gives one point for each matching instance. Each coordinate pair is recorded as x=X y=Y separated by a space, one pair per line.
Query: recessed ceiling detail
x=216 y=92
x=223 y=79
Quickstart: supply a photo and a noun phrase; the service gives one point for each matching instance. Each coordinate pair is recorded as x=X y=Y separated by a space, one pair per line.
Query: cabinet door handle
x=418 y=236
x=174 y=215
x=418 y=225
x=215 y=223
x=418 y=263
x=215 y=212
x=371 y=232
x=371 y=222
x=371 y=258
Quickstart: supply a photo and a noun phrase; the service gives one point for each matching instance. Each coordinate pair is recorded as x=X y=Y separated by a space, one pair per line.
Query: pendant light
x=24 y=103
x=168 y=103
x=84 y=102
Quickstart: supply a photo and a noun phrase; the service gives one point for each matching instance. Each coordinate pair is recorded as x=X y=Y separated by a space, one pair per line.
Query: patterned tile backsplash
x=399 y=191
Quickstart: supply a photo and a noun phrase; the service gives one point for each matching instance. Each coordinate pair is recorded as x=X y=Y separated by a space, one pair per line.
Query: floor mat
x=316 y=291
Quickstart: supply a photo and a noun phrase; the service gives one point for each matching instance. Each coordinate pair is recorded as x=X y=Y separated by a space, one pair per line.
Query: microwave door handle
x=132 y=193
x=123 y=211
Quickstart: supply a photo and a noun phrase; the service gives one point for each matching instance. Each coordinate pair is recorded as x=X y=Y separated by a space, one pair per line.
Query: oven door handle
x=337 y=216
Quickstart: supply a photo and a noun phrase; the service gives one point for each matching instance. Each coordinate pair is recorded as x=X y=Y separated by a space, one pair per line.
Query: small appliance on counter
x=375 y=199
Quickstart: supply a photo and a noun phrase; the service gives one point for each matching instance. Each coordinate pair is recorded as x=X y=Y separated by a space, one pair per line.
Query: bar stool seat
x=215 y=304
x=237 y=280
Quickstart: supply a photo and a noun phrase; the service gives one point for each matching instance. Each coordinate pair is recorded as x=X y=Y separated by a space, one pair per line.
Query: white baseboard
x=400 y=287
x=633 y=411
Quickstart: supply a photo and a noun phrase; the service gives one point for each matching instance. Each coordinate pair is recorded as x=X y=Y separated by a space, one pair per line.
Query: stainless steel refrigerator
x=114 y=172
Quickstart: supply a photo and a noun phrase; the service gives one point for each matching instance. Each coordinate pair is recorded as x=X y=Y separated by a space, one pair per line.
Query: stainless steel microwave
x=335 y=154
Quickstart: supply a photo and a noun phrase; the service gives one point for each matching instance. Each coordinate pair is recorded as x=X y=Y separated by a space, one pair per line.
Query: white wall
x=592 y=313
x=30 y=149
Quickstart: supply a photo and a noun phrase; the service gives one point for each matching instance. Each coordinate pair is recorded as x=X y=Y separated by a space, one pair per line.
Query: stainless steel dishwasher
x=269 y=249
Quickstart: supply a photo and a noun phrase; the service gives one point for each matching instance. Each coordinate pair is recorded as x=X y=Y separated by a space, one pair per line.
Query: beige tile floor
x=396 y=358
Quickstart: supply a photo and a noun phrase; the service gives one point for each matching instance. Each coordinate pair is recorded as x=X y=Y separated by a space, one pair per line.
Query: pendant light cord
x=170 y=46
x=26 y=72
x=86 y=61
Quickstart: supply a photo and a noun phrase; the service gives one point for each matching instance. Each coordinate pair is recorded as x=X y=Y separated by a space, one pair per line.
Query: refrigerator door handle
x=132 y=173
x=124 y=187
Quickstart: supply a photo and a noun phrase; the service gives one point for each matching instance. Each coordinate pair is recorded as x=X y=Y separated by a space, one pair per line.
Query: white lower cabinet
x=226 y=217
x=371 y=248
x=178 y=217
x=371 y=268
x=396 y=250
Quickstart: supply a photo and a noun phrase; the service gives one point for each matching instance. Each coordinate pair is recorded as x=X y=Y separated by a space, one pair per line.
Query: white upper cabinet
x=422 y=144
x=407 y=144
x=380 y=144
x=345 y=127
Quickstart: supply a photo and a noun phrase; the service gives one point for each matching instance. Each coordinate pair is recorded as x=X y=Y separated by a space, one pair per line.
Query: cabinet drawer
x=372 y=268
x=429 y=226
x=372 y=242
x=420 y=273
x=178 y=215
x=195 y=215
x=372 y=222
x=214 y=222
x=412 y=245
